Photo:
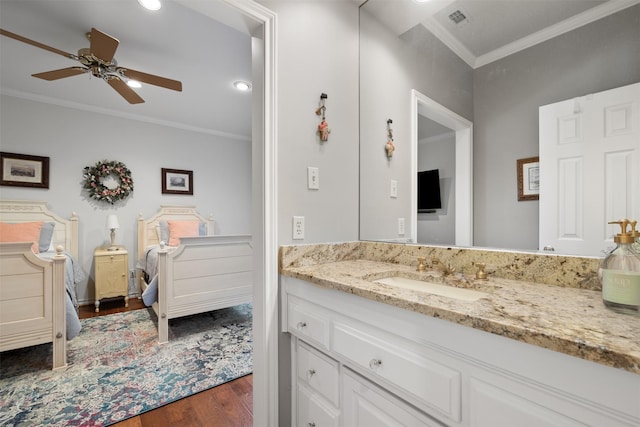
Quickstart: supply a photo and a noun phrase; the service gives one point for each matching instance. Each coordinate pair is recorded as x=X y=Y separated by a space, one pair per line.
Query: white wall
x=317 y=53
x=73 y=139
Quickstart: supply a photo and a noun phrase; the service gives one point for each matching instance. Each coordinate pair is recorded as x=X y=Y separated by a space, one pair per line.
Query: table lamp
x=113 y=225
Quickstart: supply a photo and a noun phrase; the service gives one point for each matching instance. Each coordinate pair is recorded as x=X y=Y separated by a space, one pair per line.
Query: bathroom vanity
x=367 y=351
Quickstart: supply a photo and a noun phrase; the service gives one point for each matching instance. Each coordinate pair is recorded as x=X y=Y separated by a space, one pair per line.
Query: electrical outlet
x=298 y=227
x=313 y=178
x=393 y=192
x=401 y=226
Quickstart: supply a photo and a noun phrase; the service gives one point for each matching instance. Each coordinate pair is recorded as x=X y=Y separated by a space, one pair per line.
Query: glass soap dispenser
x=621 y=274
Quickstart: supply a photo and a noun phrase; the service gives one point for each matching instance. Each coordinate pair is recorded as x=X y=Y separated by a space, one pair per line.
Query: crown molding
x=98 y=110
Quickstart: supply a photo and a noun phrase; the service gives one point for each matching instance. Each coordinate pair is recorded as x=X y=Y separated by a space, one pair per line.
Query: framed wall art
x=529 y=179
x=176 y=181
x=22 y=170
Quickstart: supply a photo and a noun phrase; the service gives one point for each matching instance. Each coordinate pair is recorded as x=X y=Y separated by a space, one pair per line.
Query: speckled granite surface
x=545 y=300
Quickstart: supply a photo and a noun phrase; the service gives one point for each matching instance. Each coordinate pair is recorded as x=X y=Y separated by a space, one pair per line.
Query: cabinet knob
x=312 y=424
x=311 y=372
x=301 y=325
x=375 y=363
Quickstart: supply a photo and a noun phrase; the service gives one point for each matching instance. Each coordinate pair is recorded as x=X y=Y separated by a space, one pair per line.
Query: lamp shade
x=112 y=222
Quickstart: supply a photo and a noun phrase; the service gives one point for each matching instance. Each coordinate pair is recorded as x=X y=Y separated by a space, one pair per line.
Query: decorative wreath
x=94 y=176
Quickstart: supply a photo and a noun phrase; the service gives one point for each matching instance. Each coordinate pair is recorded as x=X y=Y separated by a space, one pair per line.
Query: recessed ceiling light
x=242 y=85
x=150 y=4
x=134 y=84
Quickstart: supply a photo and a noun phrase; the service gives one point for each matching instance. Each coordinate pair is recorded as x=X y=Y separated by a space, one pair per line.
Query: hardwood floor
x=228 y=405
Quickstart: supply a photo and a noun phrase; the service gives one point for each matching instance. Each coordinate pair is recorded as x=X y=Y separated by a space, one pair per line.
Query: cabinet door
x=366 y=405
x=498 y=407
x=111 y=276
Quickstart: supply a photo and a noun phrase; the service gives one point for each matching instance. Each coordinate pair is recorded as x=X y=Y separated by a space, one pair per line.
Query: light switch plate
x=393 y=191
x=313 y=178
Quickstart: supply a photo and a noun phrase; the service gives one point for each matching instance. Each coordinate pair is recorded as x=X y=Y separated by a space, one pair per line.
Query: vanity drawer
x=308 y=321
x=318 y=372
x=389 y=358
x=312 y=412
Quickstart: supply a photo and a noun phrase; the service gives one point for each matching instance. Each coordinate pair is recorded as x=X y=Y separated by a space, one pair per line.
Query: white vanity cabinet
x=358 y=362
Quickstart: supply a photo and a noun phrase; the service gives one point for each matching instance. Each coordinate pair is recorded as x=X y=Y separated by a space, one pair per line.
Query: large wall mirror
x=491 y=64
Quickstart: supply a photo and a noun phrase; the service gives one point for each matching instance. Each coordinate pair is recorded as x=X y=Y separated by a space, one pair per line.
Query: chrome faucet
x=447 y=269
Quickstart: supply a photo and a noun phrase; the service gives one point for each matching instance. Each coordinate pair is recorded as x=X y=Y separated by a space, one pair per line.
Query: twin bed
x=181 y=276
x=193 y=275
x=37 y=291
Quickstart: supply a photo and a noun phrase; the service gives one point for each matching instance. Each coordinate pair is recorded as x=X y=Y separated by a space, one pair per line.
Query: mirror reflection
x=494 y=70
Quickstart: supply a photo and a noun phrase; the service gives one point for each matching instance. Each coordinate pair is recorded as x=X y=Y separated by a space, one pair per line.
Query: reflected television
x=429 y=191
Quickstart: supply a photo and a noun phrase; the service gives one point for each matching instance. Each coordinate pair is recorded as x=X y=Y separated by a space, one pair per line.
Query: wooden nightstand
x=111 y=279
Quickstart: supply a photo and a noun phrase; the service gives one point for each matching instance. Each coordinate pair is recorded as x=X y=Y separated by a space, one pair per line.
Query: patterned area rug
x=116 y=368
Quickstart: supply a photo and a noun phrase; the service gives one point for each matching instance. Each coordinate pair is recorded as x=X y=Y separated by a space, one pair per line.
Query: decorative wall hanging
x=528 y=178
x=176 y=181
x=118 y=175
x=323 y=127
x=389 y=147
x=22 y=170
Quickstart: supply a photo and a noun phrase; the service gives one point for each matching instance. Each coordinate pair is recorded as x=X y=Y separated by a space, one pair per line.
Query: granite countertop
x=568 y=320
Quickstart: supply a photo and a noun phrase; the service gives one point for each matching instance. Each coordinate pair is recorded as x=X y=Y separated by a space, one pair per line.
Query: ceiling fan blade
x=36 y=44
x=61 y=73
x=102 y=45
x=125 y=91
x=152 y=79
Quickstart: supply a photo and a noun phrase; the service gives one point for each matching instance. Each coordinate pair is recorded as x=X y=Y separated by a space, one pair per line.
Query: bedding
x=72 y=276
x=148 y=265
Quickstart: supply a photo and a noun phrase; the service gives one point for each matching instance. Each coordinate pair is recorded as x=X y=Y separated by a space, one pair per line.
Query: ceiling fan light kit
x=98 y=59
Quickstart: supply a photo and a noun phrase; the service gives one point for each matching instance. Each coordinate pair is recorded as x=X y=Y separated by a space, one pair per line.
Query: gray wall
x=507 y=93
x=73 y=139
x=389 y=69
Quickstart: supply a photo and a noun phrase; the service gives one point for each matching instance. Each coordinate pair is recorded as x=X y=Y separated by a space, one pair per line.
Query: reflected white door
x=589 y=169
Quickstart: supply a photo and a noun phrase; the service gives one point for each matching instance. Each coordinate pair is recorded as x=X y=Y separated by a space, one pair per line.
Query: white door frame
x=463 y=128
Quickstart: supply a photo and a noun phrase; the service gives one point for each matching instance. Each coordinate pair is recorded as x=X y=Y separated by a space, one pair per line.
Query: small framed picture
x=529 y=179
x=22 y=170
x=176 y=181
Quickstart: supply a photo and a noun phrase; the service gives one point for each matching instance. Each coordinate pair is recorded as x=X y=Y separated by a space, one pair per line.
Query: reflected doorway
x=459 y=196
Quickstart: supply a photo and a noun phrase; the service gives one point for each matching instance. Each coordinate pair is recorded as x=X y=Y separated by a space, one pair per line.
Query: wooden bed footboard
x=32 y=300
x=203 y=274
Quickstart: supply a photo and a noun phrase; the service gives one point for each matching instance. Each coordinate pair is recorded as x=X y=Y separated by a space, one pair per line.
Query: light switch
x=313 y=178
x=393 y=192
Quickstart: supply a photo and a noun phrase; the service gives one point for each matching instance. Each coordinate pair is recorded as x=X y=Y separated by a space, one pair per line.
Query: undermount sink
x=432 y=288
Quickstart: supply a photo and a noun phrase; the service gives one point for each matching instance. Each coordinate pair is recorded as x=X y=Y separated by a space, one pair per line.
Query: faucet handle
x=481 y=274
x=421 y=265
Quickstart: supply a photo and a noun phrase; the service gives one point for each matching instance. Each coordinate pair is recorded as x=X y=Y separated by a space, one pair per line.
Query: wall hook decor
x=323 y=127
x=389 y=147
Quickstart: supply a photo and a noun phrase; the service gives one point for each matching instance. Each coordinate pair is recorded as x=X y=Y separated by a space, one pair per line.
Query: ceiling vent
x=457 y=17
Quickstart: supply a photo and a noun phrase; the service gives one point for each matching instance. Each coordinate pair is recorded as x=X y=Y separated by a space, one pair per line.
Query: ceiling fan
x=98 y=59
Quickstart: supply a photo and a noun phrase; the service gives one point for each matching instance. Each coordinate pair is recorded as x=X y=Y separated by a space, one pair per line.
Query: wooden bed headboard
x=148 y=229
x=65 y=232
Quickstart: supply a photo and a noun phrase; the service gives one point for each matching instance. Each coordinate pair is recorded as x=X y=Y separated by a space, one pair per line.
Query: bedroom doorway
x=260 y=23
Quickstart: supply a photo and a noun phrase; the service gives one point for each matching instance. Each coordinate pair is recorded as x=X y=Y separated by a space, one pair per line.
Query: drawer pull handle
x=302 y=325
x=375 y=363
x=312 y=372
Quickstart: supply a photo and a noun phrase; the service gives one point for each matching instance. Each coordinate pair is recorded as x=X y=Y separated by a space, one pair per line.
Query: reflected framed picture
x=22 y=170
x=529 y=179
x=176 y=181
